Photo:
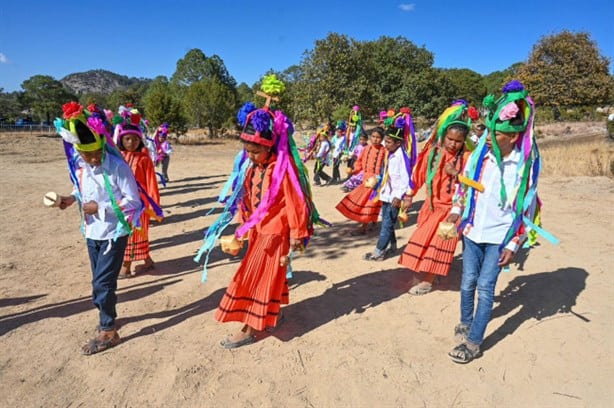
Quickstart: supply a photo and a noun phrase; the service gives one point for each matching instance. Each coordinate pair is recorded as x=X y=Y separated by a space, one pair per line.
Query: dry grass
x=584 y=157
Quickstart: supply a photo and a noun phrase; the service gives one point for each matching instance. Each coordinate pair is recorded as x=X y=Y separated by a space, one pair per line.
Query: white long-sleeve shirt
x=491 y=219
x=323 y=152
x=102 y=226
x=398 y=178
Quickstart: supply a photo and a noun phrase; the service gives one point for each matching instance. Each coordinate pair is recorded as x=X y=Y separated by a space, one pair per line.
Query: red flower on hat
x=473 y=113
x=72 y=110
x=135 y=119
x=91 y=107
x=129 y=105
x=405 y=109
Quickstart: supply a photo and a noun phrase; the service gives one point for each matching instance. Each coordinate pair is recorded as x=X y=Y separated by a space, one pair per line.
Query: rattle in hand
x=51 y=199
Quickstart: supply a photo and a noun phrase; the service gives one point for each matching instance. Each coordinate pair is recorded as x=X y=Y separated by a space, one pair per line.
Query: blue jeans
x=480 y=270
x=386 y=234
x=105 y=269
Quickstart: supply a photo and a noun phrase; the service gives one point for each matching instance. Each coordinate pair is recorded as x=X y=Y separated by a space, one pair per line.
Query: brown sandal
x=100 y=343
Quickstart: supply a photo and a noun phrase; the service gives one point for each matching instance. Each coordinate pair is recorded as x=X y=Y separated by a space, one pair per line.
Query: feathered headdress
x=512 y=112
x=271 y=129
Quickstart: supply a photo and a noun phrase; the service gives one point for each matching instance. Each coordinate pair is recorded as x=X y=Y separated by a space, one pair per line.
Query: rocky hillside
x=98 y=81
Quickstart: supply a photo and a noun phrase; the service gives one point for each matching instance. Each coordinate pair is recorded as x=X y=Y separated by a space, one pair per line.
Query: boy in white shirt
x=394 y=186
x=108 y=195
x=503 y=164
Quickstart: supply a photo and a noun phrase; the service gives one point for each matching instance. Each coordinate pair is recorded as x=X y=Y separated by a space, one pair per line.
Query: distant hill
x=99 y=81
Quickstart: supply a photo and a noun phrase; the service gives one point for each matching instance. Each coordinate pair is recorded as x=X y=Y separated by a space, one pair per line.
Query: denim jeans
x=386 y=234
x=480 y=270
x=105 y=269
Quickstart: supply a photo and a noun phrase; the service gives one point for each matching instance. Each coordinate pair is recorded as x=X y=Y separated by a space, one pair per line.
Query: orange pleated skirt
x=357 y=207
x=425 y=251
x=138 y=243
x=259 y=287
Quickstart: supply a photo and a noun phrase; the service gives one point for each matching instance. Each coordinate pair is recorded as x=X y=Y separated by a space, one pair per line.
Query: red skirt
x=259 y=287
x=357 y=207
x=138 y=243
x=425 y=251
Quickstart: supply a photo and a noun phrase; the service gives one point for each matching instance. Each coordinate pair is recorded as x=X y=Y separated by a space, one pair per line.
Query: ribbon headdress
x=354 y=129
x=459 y=113
x=512 y=112
x=399 y=126
x=88 y=131
x=272 y=129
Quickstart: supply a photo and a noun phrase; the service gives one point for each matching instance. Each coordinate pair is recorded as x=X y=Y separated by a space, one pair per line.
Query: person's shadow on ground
x=354 y=295
x=539 y=296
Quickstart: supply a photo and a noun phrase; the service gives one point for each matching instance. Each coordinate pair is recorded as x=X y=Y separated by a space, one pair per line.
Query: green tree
x=132 y=94
x=566 y=69
x=45 y=96
x=210 y=103
x=496 y=80
x=160 y=105
x=196 y=66
x=468 y=85
x=93 y=97
x=244 y=93
x=10 y=106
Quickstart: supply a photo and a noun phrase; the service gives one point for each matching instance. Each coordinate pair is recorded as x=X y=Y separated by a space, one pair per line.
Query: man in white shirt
x=107 y=191
x=395 y=183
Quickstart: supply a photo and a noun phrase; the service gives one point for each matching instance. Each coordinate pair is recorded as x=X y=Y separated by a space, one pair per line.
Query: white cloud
x=407 y=6
x=3 y=59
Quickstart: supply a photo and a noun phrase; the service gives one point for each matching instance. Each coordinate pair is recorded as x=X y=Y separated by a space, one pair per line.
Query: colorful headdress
x=459 y=113
x=513 y=112
x=87 y=131
x=341 y=125
x=271 y=129
x=81 y=128
x=354 y=124
x=128 y=121
x=400 y=126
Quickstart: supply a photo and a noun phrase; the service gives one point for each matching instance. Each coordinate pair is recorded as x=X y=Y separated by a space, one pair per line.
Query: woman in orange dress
x=438 y=165
x=357 y=205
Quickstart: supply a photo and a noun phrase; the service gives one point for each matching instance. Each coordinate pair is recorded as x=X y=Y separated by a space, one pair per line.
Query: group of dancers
x=484 y=190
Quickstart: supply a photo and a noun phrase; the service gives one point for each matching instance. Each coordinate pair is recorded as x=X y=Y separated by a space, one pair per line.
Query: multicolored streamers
x=524 y=200
x=456 y=113
x=231 y=204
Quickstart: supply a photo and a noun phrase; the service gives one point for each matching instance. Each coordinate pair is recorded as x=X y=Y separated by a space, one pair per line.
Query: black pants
x=318 y=173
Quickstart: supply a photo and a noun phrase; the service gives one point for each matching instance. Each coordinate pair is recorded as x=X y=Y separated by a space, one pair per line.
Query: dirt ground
x=353 y=337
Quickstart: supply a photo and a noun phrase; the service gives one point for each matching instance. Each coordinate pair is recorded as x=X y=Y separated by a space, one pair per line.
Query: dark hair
x=464 y=129
x=379 y=130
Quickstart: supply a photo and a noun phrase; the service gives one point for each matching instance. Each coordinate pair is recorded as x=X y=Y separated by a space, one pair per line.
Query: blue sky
x=146 y=38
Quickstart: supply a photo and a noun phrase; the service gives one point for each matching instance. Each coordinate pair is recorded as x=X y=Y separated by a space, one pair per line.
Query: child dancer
x=276 y=215
x=497 y=211
x=395 y=182
x=109 y=200
x=438 y=165
x=354 y=181
x=130 y=143
x=321 y=158
x=357 y=205
x=163 y=149
x=338 y=147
